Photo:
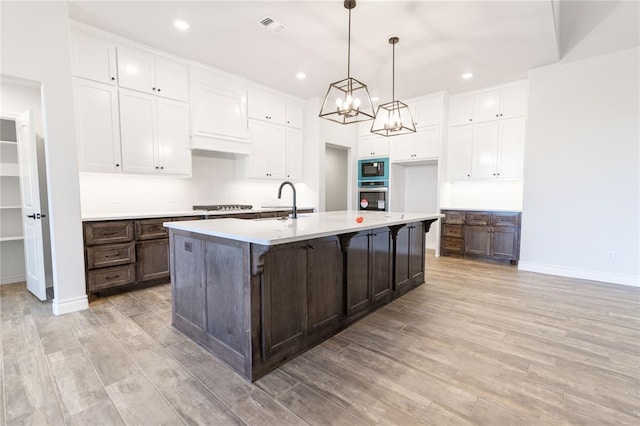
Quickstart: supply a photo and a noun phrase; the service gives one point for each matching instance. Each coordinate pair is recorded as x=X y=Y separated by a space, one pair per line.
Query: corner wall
x=35 y=46
x=581 y=171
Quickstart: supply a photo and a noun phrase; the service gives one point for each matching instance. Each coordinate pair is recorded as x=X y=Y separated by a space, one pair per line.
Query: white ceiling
x=439 y=40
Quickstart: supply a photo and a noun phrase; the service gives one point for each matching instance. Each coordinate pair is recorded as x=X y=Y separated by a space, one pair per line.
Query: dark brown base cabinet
x=481 y=234
x=257 y=306
x=125 y=254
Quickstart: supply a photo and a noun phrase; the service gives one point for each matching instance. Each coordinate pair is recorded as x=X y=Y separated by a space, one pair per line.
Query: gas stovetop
x=218 y=207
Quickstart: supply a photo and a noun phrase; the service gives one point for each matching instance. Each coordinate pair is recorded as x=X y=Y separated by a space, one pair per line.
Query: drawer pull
x=116 y=254
x=155 y=228
x=110 y=233
x=113 y=277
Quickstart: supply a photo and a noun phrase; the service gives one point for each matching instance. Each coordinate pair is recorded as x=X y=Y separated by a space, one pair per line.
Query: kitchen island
x=257 y=293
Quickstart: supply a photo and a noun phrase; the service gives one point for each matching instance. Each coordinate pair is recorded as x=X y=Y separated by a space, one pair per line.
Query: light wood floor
x=477 y=344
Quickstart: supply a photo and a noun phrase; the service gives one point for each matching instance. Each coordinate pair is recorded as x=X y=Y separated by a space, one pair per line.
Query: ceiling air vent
x=273 y=26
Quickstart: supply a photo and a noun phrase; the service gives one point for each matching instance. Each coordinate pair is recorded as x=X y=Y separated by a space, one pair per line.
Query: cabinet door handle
x=471 y=119
x=105 y=234
x=159 y=89
x=312 y=247
x=115 y=254
x=113 y=78
x=112 y=277
x=117 y=165
x=162 y=167
x=153 y=88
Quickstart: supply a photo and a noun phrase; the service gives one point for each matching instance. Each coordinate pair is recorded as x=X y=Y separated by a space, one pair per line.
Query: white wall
x=481 y=194
x=336 y=178
x=35 y=46
x=421 y=194
x=581 y=172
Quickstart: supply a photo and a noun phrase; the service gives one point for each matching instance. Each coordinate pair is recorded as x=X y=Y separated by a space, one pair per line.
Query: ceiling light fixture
x=181 y=25
x=301 y=76
x=347 y=101
x=467 y=75
x=393 y=118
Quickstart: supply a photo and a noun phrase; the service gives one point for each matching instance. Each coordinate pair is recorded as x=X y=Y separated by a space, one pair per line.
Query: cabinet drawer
x=478 y=218
x=505 y=219
x=108 y=232
x=151 y=229
x=102 y=279
x=453 y=244
x=454 y=217
x=110 y=255
x=265 y=215
x=453 y=231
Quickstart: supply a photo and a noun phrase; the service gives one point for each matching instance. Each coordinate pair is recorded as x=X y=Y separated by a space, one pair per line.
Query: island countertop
x=307 y=226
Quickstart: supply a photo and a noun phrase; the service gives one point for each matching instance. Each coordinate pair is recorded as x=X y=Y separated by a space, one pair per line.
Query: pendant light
x=393 y=118
x=347 y=101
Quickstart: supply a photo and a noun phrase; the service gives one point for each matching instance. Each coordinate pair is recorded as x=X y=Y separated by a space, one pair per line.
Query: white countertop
x=307 y=226
x=178 y=213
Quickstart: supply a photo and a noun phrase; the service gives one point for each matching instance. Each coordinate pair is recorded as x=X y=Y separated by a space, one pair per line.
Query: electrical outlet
x=611 y=255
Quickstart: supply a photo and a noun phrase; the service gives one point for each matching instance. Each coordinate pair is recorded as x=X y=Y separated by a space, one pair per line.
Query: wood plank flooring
x=476 y=344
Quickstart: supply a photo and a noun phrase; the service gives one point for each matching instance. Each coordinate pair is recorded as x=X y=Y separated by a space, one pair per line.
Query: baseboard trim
x=73 y=304
x=13 y=280
x=607 y=277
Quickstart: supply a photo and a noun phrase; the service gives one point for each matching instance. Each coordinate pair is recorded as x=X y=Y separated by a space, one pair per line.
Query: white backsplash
x=485 y=194
x=217 y=179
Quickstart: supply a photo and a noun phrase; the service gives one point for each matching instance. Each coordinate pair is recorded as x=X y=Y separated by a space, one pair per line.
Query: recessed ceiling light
x=301 y=76
x=467 y=75
x=181 y=25
x=375 y=99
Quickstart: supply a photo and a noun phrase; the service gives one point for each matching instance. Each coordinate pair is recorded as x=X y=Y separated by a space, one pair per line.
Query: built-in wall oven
x=373 y=198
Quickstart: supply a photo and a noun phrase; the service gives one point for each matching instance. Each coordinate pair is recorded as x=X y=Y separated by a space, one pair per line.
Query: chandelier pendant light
x=393 y=118
x=347 y=101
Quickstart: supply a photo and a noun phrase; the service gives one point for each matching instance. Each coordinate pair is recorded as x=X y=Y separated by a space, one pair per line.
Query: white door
x=136 y=70
x=294 y=154
x=511 y=148
x=172 y=79
x=32 y=216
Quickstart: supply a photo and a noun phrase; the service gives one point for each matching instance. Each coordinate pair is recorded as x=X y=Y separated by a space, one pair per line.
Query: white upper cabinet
x=267 y=106
x=93 y=58
x=490 y=145
x=149 y=73
x=294 y=154
x=507 y=102
x=373 y=146
x=294 y=113
x=485 y=150
x=498 y=149
x=154 y=134
x=511 y=136
x=219 y=112
x=461 y=110
x=268 y=151
x=427 y=112
x=514 y=100
x=459 y=153
x=423 y=145
x=97 y=126
x=174 y=155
